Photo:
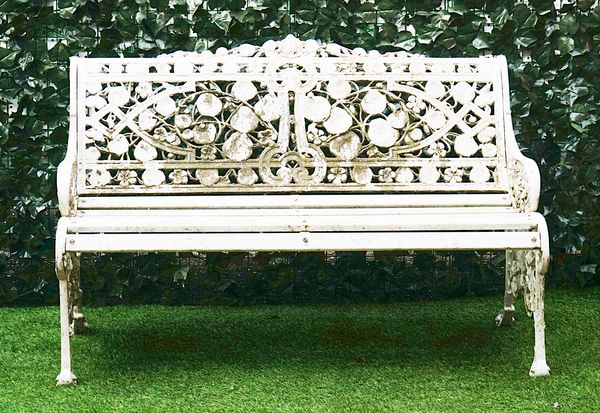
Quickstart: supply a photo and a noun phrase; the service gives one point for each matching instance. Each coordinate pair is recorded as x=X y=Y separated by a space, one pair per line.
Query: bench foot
x=539 y=368
x=79 y=325
x=506 y=318
x=66 y=378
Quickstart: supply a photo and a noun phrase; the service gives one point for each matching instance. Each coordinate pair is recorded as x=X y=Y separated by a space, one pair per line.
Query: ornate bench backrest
x=290 y=116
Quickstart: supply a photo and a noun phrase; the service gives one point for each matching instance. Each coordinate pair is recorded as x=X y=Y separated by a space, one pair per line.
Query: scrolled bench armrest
x=524 y=184
x=65 y=186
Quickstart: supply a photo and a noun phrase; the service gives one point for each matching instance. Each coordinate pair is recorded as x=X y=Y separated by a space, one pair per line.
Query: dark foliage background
x=554 y=60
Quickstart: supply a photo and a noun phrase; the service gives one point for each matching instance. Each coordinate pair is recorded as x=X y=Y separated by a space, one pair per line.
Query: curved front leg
x=64 y=267
x=78 y=324
x=506 y=317
x=533 y=294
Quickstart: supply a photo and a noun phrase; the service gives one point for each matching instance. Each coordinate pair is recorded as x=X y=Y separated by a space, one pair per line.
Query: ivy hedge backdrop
x=553 y=52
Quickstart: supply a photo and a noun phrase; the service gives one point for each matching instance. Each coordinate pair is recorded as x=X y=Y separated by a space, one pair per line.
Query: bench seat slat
x=299 y=241
x=298 y=223
x=294 y=201
x=260 y=212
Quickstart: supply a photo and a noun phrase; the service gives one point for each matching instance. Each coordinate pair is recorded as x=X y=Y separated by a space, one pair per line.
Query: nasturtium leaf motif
x=487 y=134
x=147 y=120
x=398 y=119
x=462 y=92
x=434 y=119
x=346 y=147
x=381 y=133
x=435 y=88
x=404 y=175
x=244 y=119
x=238 y=147
x=338 y=89
x=268 y=108
x=119 y=145
x=415 y=135
x=339 y=121
x=429 y=174
x=153 y=177
x=208 y=104
x=479 y=174
x=207 y=177
x=317 y=108
x=362 y=175
x=204 y=133
x=144 y=152
x=183 y=121
x=247 y=176
x=118 y=95
x=488 y=150
x=465 y=145
x=99 y=177
x=373 y=102
x=95 y=101
x=166 y=106
x=244 y=90
x=92 y=153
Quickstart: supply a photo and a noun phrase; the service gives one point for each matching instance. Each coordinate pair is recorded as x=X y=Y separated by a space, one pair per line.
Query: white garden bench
x=296 y=146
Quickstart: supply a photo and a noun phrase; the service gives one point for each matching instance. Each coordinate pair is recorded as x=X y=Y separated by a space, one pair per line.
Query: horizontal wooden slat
x=299 y=223
x=262 y=189
x=298 y=241
x=249 y=212
x=293 y=201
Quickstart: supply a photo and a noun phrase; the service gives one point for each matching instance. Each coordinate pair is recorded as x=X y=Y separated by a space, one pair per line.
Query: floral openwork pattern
x=289 y=115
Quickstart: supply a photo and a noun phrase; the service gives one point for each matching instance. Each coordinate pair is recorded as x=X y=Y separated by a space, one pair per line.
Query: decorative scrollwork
x=519 y=187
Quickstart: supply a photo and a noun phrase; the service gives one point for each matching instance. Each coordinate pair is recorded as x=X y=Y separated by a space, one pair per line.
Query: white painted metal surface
x=296 y=146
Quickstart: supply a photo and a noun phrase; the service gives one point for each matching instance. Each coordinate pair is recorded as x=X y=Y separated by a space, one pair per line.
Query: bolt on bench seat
x=296 y=146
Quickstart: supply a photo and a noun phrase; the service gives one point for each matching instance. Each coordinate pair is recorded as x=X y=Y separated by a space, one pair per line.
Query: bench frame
x=521 y=231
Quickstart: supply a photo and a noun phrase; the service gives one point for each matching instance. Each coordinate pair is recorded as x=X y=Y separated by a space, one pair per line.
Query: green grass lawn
x=444 y=356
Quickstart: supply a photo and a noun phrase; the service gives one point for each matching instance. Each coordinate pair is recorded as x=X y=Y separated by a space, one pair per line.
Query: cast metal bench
x=296 y=146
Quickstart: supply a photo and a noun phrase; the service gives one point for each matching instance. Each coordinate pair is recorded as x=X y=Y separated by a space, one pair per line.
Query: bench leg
x=533 y=292
x=506 y=317
x=64 y=269
x=78 y=324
